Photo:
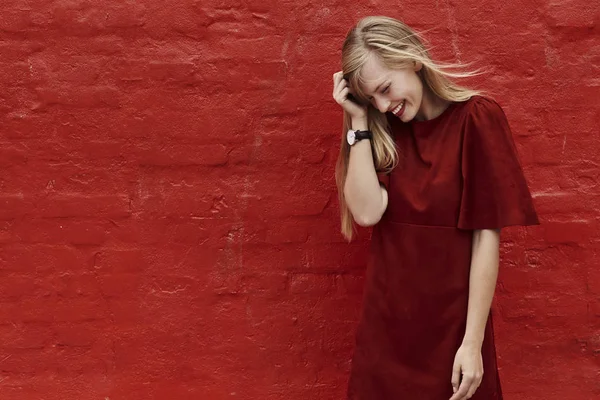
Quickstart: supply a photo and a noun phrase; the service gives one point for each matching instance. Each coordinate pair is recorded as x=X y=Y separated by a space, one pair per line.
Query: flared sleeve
x=494 y=191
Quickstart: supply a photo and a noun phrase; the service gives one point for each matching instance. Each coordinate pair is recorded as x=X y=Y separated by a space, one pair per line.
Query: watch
x=354 y=136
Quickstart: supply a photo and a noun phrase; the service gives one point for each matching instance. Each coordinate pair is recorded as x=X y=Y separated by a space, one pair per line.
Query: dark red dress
x=457 y=172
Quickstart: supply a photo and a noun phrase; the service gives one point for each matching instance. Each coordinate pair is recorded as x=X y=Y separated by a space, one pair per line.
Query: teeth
x=395 y=110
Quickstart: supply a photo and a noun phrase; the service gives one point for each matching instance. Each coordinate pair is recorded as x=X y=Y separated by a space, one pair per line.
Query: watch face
x=351 y=137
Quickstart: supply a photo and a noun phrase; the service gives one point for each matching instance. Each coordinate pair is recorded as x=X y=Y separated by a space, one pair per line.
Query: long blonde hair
x=397 y=46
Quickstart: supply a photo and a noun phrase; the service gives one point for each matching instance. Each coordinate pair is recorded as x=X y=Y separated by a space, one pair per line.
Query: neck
x=431 y=106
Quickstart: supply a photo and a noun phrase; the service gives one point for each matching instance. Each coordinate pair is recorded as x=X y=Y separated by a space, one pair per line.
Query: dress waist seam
x=421 y=225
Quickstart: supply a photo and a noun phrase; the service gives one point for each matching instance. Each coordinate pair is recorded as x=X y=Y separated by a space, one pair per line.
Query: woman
x=449 y=180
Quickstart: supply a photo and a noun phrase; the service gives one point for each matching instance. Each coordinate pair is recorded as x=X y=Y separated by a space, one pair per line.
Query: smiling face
x=399 y=91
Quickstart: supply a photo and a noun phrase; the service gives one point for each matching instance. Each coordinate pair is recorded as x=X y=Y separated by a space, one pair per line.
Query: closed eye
x=383 y=91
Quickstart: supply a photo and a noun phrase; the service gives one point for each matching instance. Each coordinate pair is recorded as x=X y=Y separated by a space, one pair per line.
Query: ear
x=418 y=65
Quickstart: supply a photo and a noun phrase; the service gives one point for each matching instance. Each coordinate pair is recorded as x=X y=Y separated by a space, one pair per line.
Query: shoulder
x=482 y=108
x=486 y=127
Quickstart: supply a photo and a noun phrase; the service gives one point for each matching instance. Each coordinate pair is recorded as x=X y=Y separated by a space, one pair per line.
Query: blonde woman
x=433 y=166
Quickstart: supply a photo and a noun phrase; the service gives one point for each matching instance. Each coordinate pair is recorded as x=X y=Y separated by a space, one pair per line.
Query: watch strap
x=359 y=135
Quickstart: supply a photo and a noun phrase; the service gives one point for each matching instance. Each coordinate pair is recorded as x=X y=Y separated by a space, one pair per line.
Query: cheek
x=412 y=92
x=417 y=86
x=409 y=88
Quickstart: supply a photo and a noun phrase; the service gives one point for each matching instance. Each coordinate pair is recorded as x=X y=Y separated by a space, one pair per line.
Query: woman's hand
x=469 y=363
x=340 y=94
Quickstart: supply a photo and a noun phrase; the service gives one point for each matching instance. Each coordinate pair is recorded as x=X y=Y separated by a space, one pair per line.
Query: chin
x=405 y=117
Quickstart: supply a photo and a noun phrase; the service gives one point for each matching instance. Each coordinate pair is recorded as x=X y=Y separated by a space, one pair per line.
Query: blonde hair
x=397 y=46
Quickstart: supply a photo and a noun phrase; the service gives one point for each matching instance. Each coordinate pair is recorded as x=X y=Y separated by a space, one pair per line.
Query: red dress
x=457 y=172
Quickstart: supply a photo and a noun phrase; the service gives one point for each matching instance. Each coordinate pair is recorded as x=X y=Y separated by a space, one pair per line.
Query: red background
x=168 y=215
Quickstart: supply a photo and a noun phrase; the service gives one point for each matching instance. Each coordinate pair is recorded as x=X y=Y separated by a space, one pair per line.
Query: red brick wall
x=168 y=217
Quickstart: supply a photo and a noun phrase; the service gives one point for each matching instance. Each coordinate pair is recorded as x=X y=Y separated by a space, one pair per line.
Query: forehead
x=373 y=72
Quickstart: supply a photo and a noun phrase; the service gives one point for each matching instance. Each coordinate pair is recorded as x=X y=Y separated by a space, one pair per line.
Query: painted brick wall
x=168 y=217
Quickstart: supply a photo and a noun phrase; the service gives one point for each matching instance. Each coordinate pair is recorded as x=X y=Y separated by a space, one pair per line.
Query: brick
x=58 y=231
x=25 y=336
x=540 y=150
x=567 y=203
x=77 y=334
x=6 y=231
x=14 y=74
x=571 y=280
x=80 y=309
x=17 y=102
x=592 y=276
x=189 y=232
x=283 y=205
x=27 y=362
x=117 y=261
x=73 y=361
x=84 y=205
x=24 y=124
x=334 y=257
x=318 y=284
x=223 y=75
x=67 y=18
x=41 y=259
x=180 y=260
x=263 y=46
x=276 y=151
x=70 y=70
x=15 y=205
x=82 y=97
x=272 y=285
x=181 y=72
x=11 y=154
x=27 y=310
x=15 y=20
x=557 y=307
x=574 y=232
x=350 y=285
x=16 y=50
x=124 y=16
x=120 y=286
x=69 y=285
x=177 y=202
x=16 y=287
x=571 y=14
x=172 y=155
x=291 y=231
x=190 y=19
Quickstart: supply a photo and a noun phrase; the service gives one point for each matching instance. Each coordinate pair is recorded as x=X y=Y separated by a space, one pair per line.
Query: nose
x=382 y=105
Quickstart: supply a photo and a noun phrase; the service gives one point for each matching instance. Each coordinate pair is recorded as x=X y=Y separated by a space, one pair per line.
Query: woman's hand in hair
x=341 y=90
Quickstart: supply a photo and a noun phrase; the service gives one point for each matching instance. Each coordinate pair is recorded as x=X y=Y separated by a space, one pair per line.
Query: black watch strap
x=360 y=135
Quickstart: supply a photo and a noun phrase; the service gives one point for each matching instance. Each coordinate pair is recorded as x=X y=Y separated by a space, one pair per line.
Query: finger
x=455 y=377
x=337 y=92
x=462 y=390
x=473 y=388
x=338 y=86
x=338 y=76
x=341 y=84
x=342 y=96
x=471 y=391
x=343 y=78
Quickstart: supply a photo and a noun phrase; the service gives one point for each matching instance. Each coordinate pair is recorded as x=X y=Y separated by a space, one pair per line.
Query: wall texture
x=168 y=216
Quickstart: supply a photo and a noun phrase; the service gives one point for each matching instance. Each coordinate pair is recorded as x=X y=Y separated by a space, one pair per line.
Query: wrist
x=360 y=124
x=472 y=342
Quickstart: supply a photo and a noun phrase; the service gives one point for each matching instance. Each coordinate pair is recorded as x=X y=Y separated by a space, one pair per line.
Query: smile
x=399 y=107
